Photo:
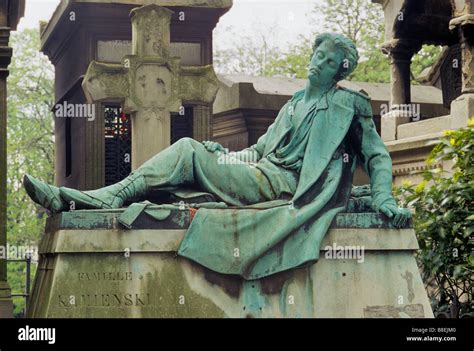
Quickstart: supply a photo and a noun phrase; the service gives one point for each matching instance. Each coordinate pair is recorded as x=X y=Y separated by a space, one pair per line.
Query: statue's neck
x=314 y=93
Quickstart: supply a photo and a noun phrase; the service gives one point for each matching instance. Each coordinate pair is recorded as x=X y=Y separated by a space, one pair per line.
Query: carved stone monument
x=92 y=266
x=150 y=83
x=276 y=229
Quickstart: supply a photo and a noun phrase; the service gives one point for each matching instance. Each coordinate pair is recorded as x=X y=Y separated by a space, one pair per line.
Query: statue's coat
x=260 y=240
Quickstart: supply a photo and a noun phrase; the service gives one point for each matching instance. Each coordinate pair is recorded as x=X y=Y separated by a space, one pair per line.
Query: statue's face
x=325 y=64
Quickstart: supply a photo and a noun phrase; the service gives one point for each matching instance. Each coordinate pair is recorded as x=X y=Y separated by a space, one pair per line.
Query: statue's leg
x=186 y=162
x=170 y=167
x=132 y=188
x=167 y=167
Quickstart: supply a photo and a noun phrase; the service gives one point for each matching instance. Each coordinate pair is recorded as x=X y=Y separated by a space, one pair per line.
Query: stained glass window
x=118 y=144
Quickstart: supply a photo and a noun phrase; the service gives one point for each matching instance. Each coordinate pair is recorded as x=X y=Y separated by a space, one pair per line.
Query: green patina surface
x=254 y=256
x=320 y=135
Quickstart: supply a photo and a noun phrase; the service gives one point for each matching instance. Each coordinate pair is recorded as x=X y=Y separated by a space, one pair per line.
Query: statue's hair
x=351 y=56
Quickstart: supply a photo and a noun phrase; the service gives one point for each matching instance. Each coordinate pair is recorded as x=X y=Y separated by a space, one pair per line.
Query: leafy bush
x=444 y=218
x=30 y=145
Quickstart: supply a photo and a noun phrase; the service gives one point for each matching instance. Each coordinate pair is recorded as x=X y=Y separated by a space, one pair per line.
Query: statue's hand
x=213 y=146
x=399 y=216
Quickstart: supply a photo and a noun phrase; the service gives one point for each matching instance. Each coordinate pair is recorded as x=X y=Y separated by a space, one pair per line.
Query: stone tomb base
x=90 y=266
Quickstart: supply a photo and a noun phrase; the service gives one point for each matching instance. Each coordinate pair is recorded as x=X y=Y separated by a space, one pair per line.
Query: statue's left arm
x=377 y=163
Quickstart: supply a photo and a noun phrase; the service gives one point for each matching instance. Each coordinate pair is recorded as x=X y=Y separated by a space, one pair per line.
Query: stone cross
x=150 y=83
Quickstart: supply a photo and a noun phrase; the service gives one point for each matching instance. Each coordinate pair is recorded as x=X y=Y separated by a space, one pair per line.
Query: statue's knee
x=185 y=145
x=181 y=143
x=187 y=142
x=184 y=140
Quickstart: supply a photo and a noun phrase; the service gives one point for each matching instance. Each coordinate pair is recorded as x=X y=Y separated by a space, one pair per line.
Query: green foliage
x=356 y=19
x=250 y=54
x=444 y=223
x=360 y=20
x=30 y=145
x=425 y=58
x=363 y=22
x=373 y=66
x=294 y=63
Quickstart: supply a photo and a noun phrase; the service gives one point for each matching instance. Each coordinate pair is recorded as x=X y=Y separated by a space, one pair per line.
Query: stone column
x=400 y=52
x=6 y=304
x=467 y=53
x=463 y=107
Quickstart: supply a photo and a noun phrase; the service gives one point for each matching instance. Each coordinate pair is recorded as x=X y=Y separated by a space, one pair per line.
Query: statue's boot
x=44 y=194
x=132 y=188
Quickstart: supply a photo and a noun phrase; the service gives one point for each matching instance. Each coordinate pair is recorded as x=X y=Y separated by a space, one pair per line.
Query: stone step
x=427 y=126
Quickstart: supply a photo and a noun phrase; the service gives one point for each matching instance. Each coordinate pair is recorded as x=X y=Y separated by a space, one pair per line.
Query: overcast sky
x=247 y=16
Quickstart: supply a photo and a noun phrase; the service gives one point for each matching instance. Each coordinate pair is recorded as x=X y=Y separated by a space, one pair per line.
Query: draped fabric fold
x=255 y=243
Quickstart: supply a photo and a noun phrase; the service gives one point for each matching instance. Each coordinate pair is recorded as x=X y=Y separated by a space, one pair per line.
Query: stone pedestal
x=409 y=157
x=90 y=266
x=461 y=110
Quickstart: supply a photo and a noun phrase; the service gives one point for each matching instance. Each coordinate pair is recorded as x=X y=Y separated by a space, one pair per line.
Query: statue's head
x=334 y=58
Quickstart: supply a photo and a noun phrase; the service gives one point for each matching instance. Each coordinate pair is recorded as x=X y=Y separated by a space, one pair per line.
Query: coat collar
x=286 y=124
x=322 y=104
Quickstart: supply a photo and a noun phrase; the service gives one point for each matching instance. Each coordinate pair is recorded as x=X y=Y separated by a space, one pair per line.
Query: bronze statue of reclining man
x=308 y=155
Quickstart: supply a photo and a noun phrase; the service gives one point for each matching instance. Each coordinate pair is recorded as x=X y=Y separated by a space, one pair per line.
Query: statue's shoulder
x=298 y=95
x=360 y=99
x=357 y=94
